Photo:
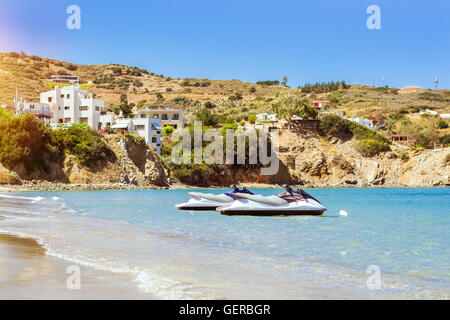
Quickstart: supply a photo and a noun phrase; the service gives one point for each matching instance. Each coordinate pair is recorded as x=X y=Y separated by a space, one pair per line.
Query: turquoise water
x=179 y=254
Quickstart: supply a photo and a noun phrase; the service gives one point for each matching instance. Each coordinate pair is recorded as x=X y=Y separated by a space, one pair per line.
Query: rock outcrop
x=314 y=161
x=134 y=164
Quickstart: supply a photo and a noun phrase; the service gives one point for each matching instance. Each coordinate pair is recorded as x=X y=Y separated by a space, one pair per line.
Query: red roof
x=319 y=101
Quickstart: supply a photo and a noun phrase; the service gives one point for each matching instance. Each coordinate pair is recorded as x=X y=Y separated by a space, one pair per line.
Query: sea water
x=397 y=239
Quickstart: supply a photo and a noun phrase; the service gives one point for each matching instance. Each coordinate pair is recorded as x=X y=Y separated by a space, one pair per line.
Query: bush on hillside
x=24 y=140
x=84 y=143
x=445 y=139
x=71 y=67
x=371 y=147
x=207 y=117
x=269 y=82
x=332 y=125
x=442 y=124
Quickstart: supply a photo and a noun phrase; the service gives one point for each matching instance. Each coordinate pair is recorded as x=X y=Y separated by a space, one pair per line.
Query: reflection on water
x=179 y=254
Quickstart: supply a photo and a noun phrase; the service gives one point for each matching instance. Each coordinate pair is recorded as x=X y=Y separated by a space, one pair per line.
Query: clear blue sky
x=250 y=40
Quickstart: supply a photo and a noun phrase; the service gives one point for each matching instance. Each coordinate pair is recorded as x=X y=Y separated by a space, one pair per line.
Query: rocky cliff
x=133 y=163
x=312 y=160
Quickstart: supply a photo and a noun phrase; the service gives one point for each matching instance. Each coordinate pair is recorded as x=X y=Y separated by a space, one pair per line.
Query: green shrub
x=442 y=124
x=362 y=133
x=167 y=131
x=269 y=82
x=71 y=67
x=445 y=139
x=209 y=105
x=252 y=119
x=447 y=159
x=332 y=125
x=24 y=140
x=138 y=83
x=84 y=143
x=371 y=147
x=207 y=117
x=181 y=100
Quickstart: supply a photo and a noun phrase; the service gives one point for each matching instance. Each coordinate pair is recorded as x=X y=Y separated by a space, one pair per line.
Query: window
x=67 y=120
x=83 y=108
x=60 y=120
x=97 y=108
x=176 y=117
x=158 y=132
x=164 y=117
x=66 y=108
x=31 y=106
x=175 y=126
x=154 y=140
x=83 y=120
x=62 y=96
x=68 y=96
x=49 y=99
x=140 y=127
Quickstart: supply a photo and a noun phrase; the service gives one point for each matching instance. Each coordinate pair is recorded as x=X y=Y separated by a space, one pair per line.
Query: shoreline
x=26 y=268
x=49 y=186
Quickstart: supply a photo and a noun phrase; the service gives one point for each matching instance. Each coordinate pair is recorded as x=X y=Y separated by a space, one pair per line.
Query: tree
x=125 y=107
x=167 y=131
x=159 y=97
x=289 y=105
x=207 y=117
x=252 y=119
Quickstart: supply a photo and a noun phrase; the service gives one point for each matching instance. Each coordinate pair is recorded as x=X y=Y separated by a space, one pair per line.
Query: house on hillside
x=67 y=79
x=73 y=105
x=266 y=117
x=319 y=104
x=368 y=123
x=401 y=138
x=167 y=117
x=147 y=128
x=40 y=110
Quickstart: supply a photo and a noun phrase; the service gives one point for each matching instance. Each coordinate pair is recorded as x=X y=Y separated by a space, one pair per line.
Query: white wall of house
x=41 y=110
x=261 y=117
x=147 y=128
x=72 y=105
x=167 y=117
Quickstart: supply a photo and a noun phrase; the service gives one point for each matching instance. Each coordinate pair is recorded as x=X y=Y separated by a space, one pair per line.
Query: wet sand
x=27 y=272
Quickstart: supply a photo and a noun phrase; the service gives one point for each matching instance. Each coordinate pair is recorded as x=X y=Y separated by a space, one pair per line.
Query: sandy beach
x=26 y=272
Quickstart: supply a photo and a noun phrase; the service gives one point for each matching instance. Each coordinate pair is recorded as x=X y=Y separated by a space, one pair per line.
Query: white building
x=64 y=79
x=73 y=105
x=40 y=110
x=167 y=117
x=147 y=128
x=262 y=117
x=366 y=123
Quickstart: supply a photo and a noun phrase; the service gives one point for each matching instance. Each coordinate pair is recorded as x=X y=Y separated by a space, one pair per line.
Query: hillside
x=233 y=98
x=110 y=81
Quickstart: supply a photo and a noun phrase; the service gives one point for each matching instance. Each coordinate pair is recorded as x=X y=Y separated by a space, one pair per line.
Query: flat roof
x=159 y=110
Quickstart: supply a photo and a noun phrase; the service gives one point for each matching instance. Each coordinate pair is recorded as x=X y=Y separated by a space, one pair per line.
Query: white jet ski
x=299 y=203
x=206 y=201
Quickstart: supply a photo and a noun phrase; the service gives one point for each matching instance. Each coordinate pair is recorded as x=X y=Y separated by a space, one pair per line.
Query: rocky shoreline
x=49 y=186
